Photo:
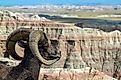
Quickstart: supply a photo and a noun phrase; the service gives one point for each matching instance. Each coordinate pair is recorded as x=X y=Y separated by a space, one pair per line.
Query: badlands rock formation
x=73 y=74
x=80 y=47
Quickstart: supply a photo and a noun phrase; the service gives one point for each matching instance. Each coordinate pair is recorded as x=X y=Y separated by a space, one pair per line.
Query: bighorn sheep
x=37 y=51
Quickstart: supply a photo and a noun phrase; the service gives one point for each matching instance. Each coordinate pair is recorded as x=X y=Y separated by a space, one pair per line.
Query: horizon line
x=10 y=5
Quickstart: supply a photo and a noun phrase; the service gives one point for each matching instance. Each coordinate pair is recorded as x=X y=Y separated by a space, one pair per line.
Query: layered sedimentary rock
x=10 y=21
x=88 y=48
x=80 y=47
x=73 y=74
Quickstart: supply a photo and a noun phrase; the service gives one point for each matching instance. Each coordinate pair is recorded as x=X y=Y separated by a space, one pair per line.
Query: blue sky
x=37 y=2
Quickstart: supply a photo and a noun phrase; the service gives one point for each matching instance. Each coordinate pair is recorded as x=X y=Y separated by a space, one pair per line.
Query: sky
x=38 y=2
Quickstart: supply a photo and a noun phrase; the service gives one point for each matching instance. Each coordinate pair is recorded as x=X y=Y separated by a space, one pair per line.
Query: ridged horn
x=19 y=34
x=34 y=38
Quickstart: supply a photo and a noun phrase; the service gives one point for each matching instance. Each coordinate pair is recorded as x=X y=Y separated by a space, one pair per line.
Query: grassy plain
x=78 y=15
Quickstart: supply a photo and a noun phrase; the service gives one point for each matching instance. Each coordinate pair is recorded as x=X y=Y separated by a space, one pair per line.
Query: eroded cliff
x=80 y=47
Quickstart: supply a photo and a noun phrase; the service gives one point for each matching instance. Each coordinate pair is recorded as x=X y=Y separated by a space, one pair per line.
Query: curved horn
x=34 y=39
x=19 y=34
